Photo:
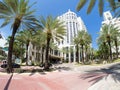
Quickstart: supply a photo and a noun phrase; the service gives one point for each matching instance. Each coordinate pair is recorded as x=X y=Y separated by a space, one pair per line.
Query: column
x=64 y=56
x=79 y=54
x=74 y=54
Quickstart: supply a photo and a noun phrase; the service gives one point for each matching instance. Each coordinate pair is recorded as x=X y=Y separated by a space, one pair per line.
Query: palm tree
x=88 y=41
x=92 y=3
x=109 y=33
x=84 y=39
x=18 y=13
x=64 y=51
x=115 y=35
x=76 y=41
x=106 y=34
x=18 y=51
x=26 y=36
x=53 y=28
x=39 y=39
x=101 y=41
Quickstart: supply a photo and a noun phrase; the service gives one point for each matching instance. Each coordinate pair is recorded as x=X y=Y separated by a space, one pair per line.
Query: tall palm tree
x=101 y=41
x=92 y=3
x=115 y=37
x=39 y=39
x=18 y=13
x=84 y=39
x=88 y=41
x=106 y=33
x=109 y=33
x=18 y=50
x=53 y=28
x=76 y=41
x=26 y=36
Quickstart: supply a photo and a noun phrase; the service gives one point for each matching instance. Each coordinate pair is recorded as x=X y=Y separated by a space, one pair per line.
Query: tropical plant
x=88 y=41
x=39 y=39
x=83 y=39
x=108 y=34
x=76 y=42
x=18 y=13
x=115 y=38
x=26 y=37
x=92 y=3
x=18 y=51
x=53 y=28
x=64 y=51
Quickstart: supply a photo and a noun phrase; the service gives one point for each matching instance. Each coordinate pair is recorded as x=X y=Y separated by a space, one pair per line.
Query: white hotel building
x=73 y=24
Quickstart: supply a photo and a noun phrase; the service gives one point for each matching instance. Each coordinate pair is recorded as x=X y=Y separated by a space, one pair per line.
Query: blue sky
x=58 y=7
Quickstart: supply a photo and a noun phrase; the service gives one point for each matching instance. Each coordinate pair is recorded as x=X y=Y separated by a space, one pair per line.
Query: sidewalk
x=66 y=77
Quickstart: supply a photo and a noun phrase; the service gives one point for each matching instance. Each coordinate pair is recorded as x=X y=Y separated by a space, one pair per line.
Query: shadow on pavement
x=40 y=71
x=60 y=68
x=95 y=76
x=8 y=83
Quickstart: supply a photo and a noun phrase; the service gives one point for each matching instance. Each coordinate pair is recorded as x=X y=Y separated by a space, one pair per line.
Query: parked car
x=14 y=65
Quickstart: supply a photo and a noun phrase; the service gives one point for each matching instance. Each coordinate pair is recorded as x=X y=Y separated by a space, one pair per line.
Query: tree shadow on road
x=40 y=71
x=95 y=76
x=60 y=68
x=8 y=83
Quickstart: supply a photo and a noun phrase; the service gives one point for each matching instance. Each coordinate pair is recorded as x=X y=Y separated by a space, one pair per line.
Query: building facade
x=73 y=24
x=66 y=47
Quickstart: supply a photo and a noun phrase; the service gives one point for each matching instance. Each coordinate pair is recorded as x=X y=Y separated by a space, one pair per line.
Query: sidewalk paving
x=65 y=77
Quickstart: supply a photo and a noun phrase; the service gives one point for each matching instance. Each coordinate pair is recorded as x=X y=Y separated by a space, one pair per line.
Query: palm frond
x=6 y=22
x=112 y=4
x=81 y=4
x=91 y=5
x=101 y=7
x=13 y=5
x=4 y=9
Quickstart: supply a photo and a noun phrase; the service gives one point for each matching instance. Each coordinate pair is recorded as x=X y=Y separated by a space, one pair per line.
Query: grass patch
x=19 y=70
x=117 y=60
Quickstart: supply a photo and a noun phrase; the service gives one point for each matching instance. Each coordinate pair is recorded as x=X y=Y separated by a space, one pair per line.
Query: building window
x=74 y=33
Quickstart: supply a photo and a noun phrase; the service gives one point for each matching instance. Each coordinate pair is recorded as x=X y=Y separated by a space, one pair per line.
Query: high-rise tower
x=73 y=24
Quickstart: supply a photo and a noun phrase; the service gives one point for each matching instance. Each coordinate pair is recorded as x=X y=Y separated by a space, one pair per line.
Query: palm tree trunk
x=77 y=54
x=82 y=54
x=42 y=54
x=27 y=53
x=10 y=50
x=46 y=67
x=21 y=56
x=86 y=55
x=116 y=46
x=110 y=50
